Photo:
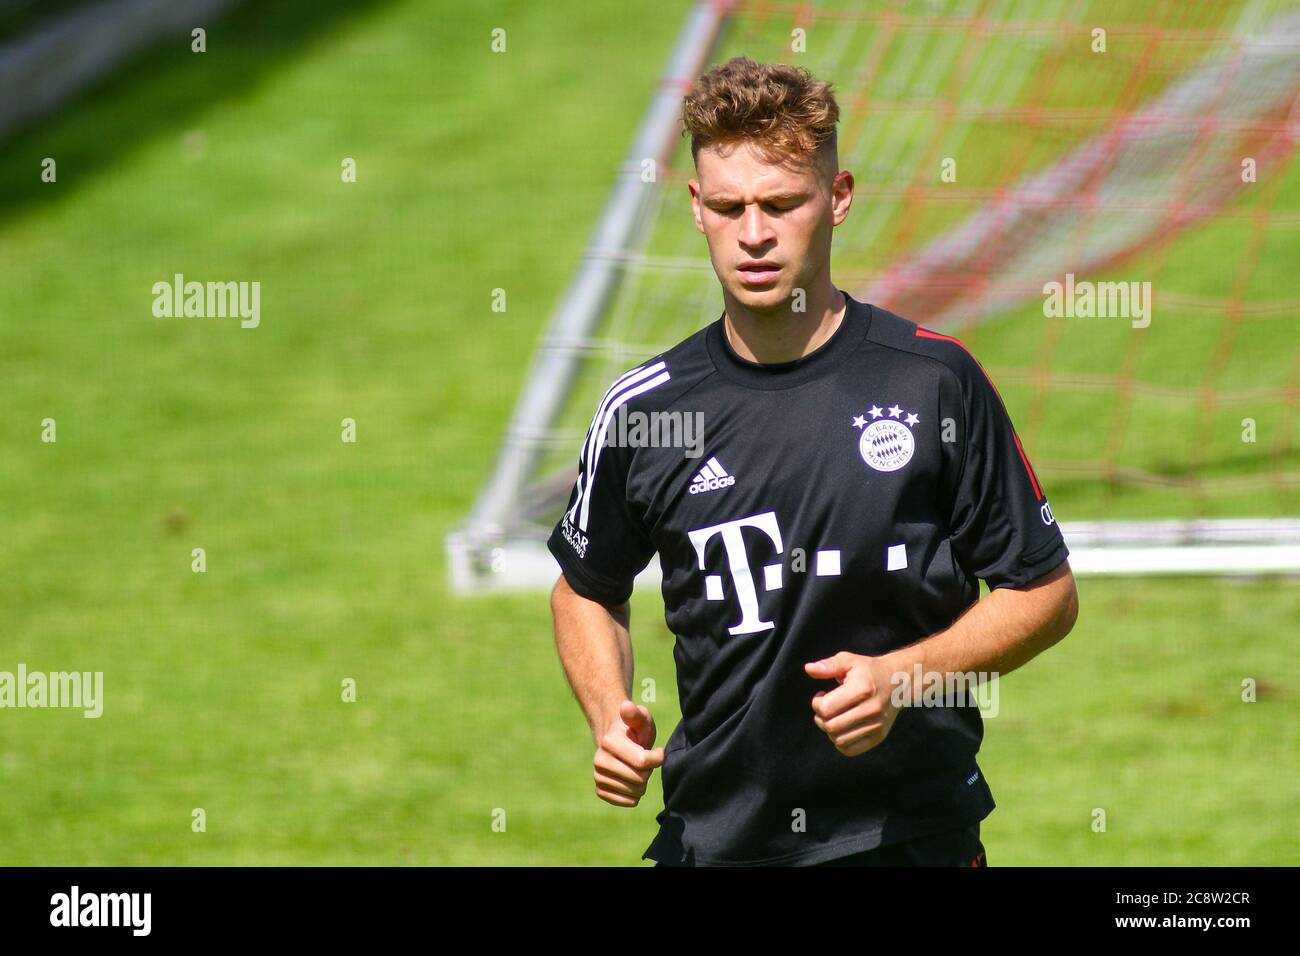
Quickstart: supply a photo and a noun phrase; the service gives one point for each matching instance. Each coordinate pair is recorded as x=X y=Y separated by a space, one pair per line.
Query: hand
x=858 y=714
x=624 y=758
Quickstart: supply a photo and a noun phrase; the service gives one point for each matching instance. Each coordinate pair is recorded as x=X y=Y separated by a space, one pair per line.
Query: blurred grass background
x=325 y=560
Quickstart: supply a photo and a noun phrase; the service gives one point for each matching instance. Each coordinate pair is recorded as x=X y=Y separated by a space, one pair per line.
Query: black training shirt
x=845 y=501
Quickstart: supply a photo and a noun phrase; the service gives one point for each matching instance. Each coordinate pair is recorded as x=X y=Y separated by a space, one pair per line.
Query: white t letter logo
x=738 y=560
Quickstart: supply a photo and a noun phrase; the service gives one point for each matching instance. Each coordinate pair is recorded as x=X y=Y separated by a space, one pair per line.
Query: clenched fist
x=624 y=758
x=858 y=714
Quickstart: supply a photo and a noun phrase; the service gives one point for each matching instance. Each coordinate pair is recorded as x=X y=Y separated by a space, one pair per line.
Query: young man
x=820 y=559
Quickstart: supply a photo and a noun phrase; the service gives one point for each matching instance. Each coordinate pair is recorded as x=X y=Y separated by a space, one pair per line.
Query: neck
x=784 y=335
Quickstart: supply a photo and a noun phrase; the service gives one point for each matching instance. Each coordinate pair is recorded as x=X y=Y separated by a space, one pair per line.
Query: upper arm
x=563 y=590
x=601 y=541
x=1001 y=527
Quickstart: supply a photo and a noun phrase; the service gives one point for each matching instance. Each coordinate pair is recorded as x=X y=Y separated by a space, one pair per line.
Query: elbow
x=1067 y=610
x=563 y=598
x=1058 y=605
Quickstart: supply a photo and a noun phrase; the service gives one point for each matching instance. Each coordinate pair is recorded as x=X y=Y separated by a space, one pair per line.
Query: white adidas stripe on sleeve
x=629 y=385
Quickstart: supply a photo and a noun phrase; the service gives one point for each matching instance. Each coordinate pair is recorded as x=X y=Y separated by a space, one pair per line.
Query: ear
x=841 y=196
x=693 y=186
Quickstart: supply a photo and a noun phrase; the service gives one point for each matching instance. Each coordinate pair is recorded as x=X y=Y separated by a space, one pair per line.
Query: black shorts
x=960 y=847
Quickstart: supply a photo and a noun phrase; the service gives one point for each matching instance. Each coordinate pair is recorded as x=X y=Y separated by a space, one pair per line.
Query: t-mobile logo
x=733 y=541
x=738 y=560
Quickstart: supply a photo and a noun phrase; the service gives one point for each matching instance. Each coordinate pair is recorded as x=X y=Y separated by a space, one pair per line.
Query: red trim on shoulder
x=1033 y=479
x=927 y=334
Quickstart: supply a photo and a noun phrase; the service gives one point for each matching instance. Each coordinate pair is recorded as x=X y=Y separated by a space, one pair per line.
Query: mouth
x=757 y=273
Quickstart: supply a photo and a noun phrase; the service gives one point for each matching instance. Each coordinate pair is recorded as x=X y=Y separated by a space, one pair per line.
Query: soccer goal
x=1100 y=199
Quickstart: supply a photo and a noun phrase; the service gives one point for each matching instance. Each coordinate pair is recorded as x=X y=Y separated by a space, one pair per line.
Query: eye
x=734 y=208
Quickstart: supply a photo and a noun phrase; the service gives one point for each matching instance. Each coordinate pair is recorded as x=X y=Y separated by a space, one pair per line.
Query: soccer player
x=820 y=554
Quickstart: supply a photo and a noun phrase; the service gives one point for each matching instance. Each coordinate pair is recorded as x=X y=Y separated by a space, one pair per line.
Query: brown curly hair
x=787 y=114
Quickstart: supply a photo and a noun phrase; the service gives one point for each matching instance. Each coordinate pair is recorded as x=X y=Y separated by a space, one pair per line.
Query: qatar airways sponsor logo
x=577 y=540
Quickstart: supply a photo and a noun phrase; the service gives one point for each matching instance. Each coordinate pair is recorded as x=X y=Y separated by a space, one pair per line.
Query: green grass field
x=325 y=559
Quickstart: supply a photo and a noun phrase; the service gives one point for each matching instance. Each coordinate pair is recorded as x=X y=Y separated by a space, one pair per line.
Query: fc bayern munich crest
x=886 y=443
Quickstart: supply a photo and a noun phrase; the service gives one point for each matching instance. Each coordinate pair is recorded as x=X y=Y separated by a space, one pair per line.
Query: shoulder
x=660 y=380
x=938 y=350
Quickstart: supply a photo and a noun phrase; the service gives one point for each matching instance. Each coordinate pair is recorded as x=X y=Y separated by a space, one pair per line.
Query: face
x=752 y=212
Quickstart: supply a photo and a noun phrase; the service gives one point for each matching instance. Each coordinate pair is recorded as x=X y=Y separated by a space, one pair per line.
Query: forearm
x=999 y=633
x=595 y=649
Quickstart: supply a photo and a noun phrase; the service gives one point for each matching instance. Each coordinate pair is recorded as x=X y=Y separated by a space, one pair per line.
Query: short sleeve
x=1001 y=526
x=600 y=541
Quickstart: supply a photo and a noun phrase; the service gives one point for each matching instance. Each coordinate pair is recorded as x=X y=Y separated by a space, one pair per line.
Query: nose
x=754 y=230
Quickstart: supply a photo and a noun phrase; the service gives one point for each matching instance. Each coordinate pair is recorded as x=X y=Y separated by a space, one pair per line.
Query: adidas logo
x=711 y=477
